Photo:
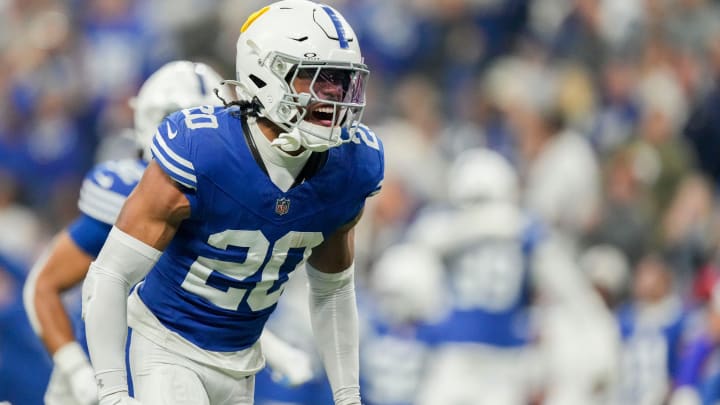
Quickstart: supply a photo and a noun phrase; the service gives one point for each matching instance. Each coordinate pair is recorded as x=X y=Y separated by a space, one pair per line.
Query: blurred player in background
x=238 y=198
x=291 y=322
x=496 y=257
x=176 y=85
x=652 y=325
x=406 y=296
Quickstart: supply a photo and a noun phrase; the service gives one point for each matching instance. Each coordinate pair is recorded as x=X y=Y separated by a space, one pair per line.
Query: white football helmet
x=408 y=284
x=300 y=62
x=481 y=175
x=175 y=86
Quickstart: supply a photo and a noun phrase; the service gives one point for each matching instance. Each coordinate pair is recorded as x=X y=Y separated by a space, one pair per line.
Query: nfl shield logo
x=282 y=206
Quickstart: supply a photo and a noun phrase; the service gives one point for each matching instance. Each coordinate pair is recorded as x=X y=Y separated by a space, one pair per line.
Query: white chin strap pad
x=302 y=136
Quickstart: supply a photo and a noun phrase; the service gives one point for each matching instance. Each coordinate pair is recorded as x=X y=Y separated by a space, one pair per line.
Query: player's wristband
x=111 y=382
x=70 y=357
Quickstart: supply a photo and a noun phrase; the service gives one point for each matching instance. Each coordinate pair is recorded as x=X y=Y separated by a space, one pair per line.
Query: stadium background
x=608 y=109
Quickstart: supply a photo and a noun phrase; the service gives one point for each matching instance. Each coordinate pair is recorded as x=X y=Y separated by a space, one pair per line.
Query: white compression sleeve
x=333 y=312
x=122 y=263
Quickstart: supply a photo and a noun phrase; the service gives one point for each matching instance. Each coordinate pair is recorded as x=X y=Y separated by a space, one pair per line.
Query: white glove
x=119 y=398
x=296 y=369
x=74 y=365
x=685 y=395
x=290 y=366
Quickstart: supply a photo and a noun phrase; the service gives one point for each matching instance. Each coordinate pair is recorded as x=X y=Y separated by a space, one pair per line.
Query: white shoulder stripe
x=103 y=194
x=96 y=211
x=92 y=193
x=186 y=184
x=176 y=173
x=101 y=204
x=173 y=155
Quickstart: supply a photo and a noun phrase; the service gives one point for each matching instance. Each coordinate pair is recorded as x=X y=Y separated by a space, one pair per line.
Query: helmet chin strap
x=288 y=141
x=296 y=138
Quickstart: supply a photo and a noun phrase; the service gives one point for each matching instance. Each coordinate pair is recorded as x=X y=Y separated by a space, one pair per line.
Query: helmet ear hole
x=258 y=82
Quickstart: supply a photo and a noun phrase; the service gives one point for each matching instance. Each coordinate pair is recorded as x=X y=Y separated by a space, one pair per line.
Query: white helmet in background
x=298 y=41
x=175 y=86
x=481 y=175
x=408 y=282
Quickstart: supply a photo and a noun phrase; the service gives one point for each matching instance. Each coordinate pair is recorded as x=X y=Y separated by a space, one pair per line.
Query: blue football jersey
x=650 y=349
x=393 y=361
x=490 y=284
x=103 y=193
x=106 y=187
x=220 y=277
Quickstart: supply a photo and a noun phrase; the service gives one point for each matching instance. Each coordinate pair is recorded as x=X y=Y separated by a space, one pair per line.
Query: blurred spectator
x=22 y=235
x=689 y=230
x=703 y=127
x=561 y=173
x=662 y=157
x=120 y=49
x=618 y=113
x=651 y=325
x=410 y=139
x=625 y=216
x=698 y=378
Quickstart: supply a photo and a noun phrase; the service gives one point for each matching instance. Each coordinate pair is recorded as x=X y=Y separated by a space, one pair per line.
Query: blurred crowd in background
x=608 y=111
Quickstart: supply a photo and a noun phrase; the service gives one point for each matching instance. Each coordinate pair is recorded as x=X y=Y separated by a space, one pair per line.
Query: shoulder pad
x=370 y=160
x=106 y=187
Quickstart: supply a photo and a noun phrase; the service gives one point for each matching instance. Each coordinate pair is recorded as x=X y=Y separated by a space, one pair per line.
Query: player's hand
x=74 y=365
x=83 y=385
x=289 y=366
x=295 y=368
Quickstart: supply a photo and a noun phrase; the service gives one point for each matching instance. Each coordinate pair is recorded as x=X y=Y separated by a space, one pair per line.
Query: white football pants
x=161 y=377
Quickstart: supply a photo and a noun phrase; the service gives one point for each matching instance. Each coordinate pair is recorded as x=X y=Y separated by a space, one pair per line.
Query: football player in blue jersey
x=176 y=85
x=235 y=199
x=497 y=256
x=405 y=300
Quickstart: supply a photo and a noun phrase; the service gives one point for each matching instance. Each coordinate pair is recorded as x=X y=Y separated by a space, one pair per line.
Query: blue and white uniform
x=490 y=281
x=215 y=285
x=394 y=360
x=102 y=195
x=482 y=353
x=651 y=349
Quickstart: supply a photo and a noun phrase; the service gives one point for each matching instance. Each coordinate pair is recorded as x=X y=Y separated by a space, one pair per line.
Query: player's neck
x=272 y=132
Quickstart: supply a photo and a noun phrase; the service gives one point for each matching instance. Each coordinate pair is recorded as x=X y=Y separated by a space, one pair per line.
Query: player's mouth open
x=322 y=115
